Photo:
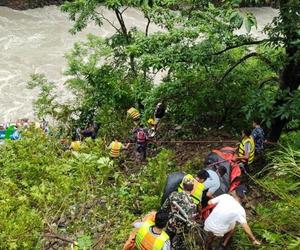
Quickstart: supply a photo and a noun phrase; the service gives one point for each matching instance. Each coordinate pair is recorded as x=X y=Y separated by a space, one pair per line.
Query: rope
x=199 y=142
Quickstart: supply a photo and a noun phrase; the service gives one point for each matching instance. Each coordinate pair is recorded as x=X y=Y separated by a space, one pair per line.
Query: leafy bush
x=277 y=218
x=77 y=196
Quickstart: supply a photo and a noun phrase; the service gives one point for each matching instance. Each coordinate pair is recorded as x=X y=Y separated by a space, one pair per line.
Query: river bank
x=29 y=46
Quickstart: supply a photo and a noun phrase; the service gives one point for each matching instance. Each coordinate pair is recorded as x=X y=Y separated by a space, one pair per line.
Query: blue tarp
x=15 y=135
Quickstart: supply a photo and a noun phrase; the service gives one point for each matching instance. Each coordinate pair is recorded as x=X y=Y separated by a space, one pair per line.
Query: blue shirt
x=259 y=137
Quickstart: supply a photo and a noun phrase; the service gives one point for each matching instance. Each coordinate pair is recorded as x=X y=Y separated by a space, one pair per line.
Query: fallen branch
x=55 y=236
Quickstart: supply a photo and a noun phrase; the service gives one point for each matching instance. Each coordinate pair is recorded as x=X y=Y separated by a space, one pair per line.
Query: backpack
x=141 y=136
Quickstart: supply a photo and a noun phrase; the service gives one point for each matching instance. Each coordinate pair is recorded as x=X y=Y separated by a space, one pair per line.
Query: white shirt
x=213 y=182
x=225 y=215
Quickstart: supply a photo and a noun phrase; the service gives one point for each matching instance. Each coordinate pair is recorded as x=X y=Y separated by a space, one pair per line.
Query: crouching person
x=220 y=224
x=150 y=234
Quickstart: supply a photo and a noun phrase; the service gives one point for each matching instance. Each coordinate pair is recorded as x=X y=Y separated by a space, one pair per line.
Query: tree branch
x=122 y=24
x=107 y=20
x=236 y=64
x=269 y=79
x=147 y=26
x=259 y=56
x=124 y=10
x=239 y=45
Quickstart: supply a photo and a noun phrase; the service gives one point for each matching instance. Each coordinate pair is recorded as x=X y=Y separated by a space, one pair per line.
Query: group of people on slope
x=168 y=229
x=141 y=134
x=11 y=130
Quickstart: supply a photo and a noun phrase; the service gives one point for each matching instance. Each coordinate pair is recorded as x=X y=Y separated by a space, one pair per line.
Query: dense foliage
x=189 y=55
x=56 y=198
x=277 y=219
x=209 y=74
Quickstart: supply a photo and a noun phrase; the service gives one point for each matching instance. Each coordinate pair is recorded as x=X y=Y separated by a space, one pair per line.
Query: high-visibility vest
x=252 y=148
x=133 y=113
x=75 y=145
x=115 y=149
x=145 y=240
x=197 y=191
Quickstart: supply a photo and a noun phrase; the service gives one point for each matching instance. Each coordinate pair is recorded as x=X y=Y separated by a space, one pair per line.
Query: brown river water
x=35 y=41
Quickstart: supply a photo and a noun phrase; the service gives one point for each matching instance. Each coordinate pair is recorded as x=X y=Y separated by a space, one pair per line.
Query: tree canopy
x=208 y=73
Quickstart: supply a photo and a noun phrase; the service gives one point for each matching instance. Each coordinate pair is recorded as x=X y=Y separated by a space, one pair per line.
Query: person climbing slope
x=75 y=144
x=134 y=114
x=141 y=137
x=222 y=220
x=258 y=136
x=246 y=149
x=159 y=113
x=116 y=147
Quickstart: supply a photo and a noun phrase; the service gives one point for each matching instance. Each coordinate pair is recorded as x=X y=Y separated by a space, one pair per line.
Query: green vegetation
x=277 y=218
x=203 y=64
x=210 y=76
x=83 y=197
x=49 y=195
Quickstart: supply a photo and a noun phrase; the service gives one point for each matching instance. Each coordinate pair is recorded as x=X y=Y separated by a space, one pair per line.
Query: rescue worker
x=220 y=224
x=90 y=131
x=258 y=136
x=75 y=144
x=116 y=147
x=134 y=113
x=246 y=149
x=212 y=183
x=198 y=187
x=159 y=113
x=141 y=137
x=176 y=227
x=151 y=235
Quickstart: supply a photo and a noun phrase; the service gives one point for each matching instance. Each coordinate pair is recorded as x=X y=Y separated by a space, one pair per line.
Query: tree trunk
x=290 y=75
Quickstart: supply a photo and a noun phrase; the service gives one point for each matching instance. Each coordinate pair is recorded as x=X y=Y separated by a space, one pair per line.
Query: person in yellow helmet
x=198 y=188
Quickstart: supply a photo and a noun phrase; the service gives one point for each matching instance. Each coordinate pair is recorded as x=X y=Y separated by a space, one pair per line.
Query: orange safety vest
x=252 y=148
x=115 y=149
x=133 y=113
x=145 y=240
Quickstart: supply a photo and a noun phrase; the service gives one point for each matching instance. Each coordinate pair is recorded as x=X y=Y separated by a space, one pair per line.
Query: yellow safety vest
x=252 y=148
x=75 y=145
x=115 y=149
x=197 y=191
x=145 y=240
x=133 y=113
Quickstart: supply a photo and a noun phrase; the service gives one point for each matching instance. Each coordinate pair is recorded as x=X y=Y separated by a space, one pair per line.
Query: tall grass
x=277 y=216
